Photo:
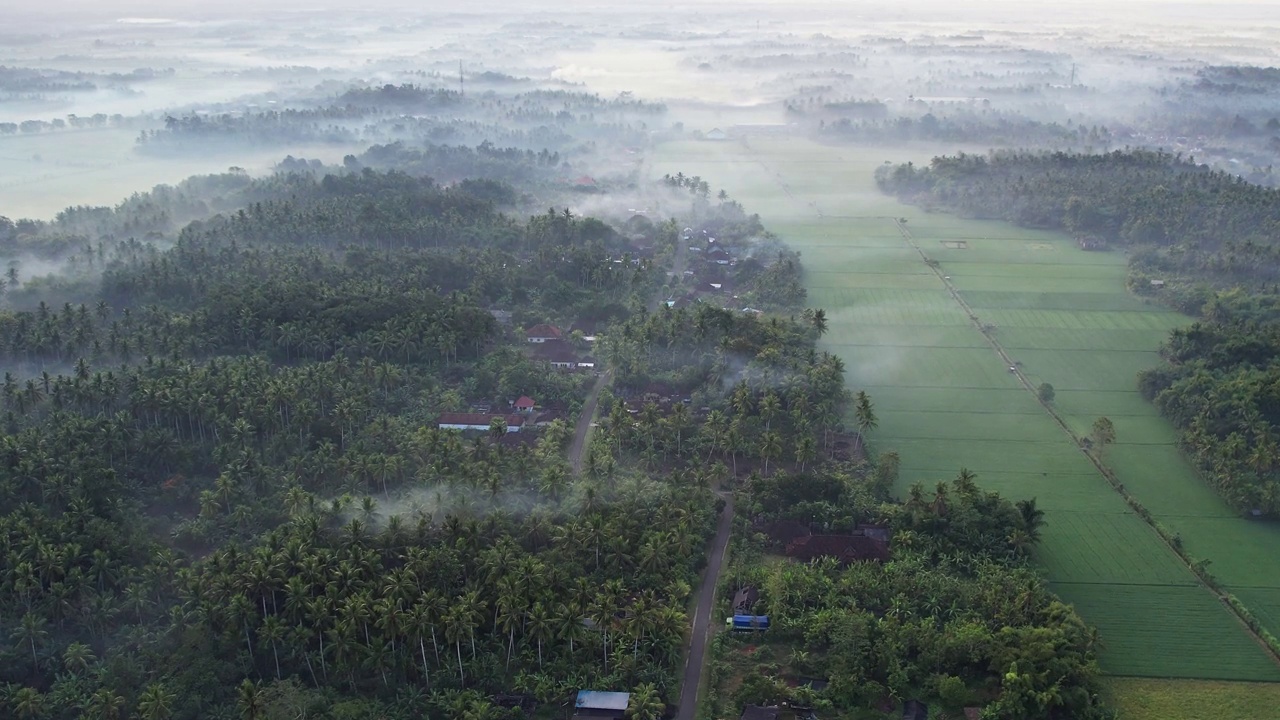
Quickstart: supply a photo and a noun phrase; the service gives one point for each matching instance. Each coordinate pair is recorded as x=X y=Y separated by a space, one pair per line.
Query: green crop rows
x=946 y=400
x=1134 y=622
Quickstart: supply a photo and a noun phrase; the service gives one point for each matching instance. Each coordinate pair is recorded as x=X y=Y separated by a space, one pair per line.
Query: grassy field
x=946 y=400
x=1143 y=699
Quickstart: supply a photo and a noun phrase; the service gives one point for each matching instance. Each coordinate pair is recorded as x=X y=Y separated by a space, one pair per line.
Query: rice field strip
x=1103 y=470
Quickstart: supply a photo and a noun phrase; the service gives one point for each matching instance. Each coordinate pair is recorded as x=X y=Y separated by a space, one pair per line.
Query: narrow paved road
x=585 y=418
x=702 y=619
x=578 y=449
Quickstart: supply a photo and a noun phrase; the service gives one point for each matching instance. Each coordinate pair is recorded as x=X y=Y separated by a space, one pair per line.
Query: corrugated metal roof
x=598 y=700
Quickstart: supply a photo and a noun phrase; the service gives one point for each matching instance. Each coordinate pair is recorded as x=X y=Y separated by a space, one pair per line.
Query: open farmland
x=1145 y=699
x=946 y=400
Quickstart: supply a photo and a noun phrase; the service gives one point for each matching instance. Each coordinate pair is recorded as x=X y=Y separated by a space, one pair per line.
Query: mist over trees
x=232 y=479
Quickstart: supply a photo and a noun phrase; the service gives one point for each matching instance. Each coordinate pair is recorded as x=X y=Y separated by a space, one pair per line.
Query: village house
x=915 y=710
x=477 y=421
x=716 y=134
x=745 y=600
x=543 y=333
x=558 y=354
x=524 y=405
x=866 y=543
x=844 y=548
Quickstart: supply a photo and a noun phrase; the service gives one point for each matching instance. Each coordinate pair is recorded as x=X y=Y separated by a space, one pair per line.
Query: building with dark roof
x=845 y=548
x=557 y=353
x=757 y=712
x=915 y=710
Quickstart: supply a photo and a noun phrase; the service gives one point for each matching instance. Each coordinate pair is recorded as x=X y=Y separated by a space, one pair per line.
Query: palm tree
x=27 y=703
x=568 y=623
x=1032 y=519
x=806 y=450
x=820 y=321
x=103 y=705
x=510 y=609
x=770 y=447
x=30 y=631
x=251 y=700
x=540 y=627
x=420 y=621
x=1019 y=540
x=769 y=407
x=272 y=631
x=155 y=703
x=865 y=414
x=77 y=657
x=497 y=428
x=457 y=625
x=645 y=703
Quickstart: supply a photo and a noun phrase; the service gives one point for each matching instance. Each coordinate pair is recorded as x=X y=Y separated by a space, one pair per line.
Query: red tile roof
x=544 y=331
x=524 y=403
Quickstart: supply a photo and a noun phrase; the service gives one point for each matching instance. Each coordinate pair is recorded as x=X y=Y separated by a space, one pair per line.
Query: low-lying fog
x=98 y=100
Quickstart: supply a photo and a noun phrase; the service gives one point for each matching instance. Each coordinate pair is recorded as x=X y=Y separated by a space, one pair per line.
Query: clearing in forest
x=946 y=400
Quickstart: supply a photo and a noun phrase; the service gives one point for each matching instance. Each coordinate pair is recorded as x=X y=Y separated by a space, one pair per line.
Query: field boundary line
x=1233 y=605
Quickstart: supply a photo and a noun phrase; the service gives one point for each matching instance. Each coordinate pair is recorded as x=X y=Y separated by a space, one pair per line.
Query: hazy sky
x=1251 y=12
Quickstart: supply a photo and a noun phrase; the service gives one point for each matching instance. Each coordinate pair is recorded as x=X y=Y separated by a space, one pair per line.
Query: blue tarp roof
x=602 y=700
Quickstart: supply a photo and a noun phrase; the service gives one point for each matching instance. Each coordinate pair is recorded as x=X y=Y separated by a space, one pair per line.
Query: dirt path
x=585 y=418
x=700 y=634
x=577 y=450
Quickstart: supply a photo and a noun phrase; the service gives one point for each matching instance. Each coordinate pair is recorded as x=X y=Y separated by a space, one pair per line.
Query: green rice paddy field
x=946 y=400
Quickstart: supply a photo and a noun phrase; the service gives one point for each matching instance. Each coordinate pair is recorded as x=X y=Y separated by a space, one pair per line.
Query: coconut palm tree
x=1031 y=519
x=806 y=450
x=78 y=657
x=645 y=703
x=457 y=626
x=864 y=413
x=156 y=703
x=272 y=632
x=30 y=632
x=770 y=447
x=540 y=627
x=103 y=705
x=250 y=700
x=27 y=703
